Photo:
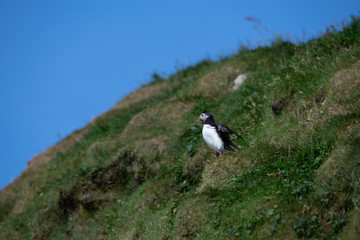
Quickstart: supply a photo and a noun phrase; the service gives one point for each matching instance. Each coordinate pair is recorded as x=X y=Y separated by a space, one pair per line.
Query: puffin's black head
x=204 y=115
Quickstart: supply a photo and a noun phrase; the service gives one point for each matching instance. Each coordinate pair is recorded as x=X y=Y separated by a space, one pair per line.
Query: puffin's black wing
x=226 y=129
x=224 y=133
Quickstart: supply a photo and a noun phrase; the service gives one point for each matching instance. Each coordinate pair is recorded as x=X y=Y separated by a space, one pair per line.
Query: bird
x=217 y=136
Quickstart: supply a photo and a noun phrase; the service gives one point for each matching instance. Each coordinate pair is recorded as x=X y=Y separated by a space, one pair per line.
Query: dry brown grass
x=310 y=113
x=142 y=94
x=344 y=84
x=346 y=81
x=151 y=146
x=133 y=98
x=216 y=83
x=218 y=171
x=51 y=152
x=147 y=133
x=164 y=116
x=98 y=151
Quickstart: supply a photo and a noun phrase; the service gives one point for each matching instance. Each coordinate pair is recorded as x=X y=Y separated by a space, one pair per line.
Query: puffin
x=217 y=136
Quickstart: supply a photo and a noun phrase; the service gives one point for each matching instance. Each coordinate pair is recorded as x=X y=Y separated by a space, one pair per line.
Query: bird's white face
x=202 y=117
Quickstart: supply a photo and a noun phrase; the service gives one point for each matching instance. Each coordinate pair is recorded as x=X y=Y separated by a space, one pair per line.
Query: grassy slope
x=142 y=170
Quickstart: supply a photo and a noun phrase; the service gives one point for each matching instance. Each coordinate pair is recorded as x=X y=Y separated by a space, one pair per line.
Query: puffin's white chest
x=212 y=138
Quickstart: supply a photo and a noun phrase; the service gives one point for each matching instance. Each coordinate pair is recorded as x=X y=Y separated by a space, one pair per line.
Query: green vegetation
x=142 y=170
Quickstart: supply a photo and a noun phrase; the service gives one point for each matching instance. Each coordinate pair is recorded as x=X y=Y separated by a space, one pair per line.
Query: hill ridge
x=142 y=170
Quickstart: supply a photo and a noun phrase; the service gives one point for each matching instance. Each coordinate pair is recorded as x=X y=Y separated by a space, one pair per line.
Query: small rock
x=239 y=80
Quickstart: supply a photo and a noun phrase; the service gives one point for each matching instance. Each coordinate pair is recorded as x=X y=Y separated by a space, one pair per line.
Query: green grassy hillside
x=143 y=171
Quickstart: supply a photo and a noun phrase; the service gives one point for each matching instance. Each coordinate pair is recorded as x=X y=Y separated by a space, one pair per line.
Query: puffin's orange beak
x=199 y=119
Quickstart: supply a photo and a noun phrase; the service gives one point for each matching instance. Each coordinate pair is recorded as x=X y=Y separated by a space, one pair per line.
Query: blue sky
x=64 y=62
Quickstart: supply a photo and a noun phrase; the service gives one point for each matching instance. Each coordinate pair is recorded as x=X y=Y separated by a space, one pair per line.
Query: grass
x=142 y=170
